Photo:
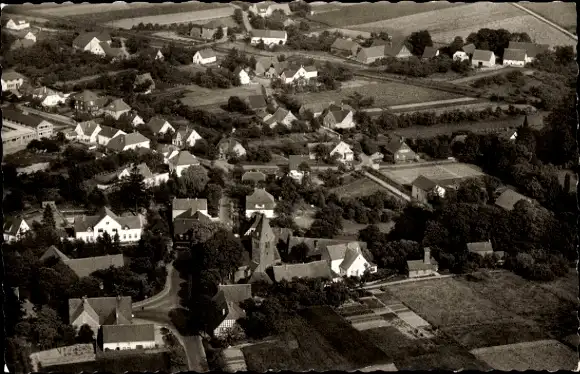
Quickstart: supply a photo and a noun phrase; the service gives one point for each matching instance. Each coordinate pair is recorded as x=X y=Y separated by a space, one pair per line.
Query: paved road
x=545 y=20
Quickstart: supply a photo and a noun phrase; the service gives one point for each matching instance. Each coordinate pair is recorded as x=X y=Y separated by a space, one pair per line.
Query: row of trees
x=417 y=67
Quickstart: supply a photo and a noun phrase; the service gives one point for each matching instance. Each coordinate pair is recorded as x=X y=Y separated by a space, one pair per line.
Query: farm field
x=445 y=24
x=385 y=94
x=561 y=13
x=145 y=361
x=406 y=175
x=370 y=12
x=203 y=12
x=197 y=96
x=66 y=10
x=549 y=355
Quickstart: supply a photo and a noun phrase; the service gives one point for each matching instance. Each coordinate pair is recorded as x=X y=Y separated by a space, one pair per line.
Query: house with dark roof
x=116 y=108
x=370 y=54
x=254 y=177
x=88 y=101
x=182 y=161
x=183 y=226
x=14 y=228
x=185 y=137
x=514 y=57
x=107 y=133
x=17 y=24
x=486 y=249
x=93 y=42
x=228 y=147
x=310 y=270
x=464 y=53
x=281 y=117
x=208 y=30
x=256 y=102
x=158 y=125
x=423 y=188
x=338 y=119
x=87 y=131
x=128 y=336
x=42 y=128
x=269 y=37
x=267 y=8
x=89 y=228
x=125 y=142
x=228 y=299
x=100 y=311
x=482 y=58
x=12 y=80
x=532 y=49
x=204 y=56
x=180 y=206
x=142 y=80
x=260 y=201
x=398 y=151
x=395 y=47
x=347 y=259
x=22 y=44
x=294 y=170
x=263 y=64
x=84 y=267
x=430 y=52
x=423 y=268
x=344 y=47
x=315 y=108
x=509 y=198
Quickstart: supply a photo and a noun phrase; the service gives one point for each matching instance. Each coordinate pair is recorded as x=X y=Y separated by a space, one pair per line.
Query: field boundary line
x=545 y=20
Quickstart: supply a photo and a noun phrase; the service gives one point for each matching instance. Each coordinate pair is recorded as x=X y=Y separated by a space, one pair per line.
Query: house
x=22 y=43
x=482 y=58
x=266 y=8
x=228 y=299
x=159 y=56
x=107 y=133
x=423 y=188
x=315 y=108
x=480 y=248
x=422 y=268
x=395 y=48
x=142 y=80
x=464 y=53
x=167 y=150
x=338 y=119
x=371 y=54
x=260 y=201
x=116 y=108
x=135 y=119
x=269 y=67
x=269 y=37
x=41 y=127
x=311 y=270
x=180 y=206
x=83 y=267
x=183 y=225
x=128 y=336
x=509 y=198
x=242 y=74
x=228 y=147
x=87 y=131
x=344 y=152
x=344 y=47
x=182 y=161
x=49 y=97
x=14 y=228
x=158 y=125
x=264 y=253
x=509 y=135
x=93 y=42
x=281 y=117
x=185 y=137
x=398 y=151
x=532 y=49
x=514 y=57
x=208 y=30
x=12 y=80
x=125 y=142
x=317 y=245
x=347 y=260
x=430 y=52
x=294 y=169
x=89 y=228
x=254 y=177
x=17 y=24
x=113 y=53
x=292 y=74
x=142 y=169
x=256 y=102
x=88 y=101
x=100 y=311
x=204 y=56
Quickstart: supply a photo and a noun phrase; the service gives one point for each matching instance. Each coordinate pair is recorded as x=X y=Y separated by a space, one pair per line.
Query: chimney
x=427 y=256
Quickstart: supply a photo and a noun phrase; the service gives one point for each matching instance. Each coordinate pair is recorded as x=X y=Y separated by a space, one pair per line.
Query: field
x=385 y=93
x=407 y=174
x=445 y=24
x=357 y=188
x=66 y=10
x=562 y=14
x=370 y=12
x=147 y=362
x=549 y=355
x=204 y=12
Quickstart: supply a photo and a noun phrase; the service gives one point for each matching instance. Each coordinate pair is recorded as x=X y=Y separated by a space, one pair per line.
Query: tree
x=223 y=252
x=134 y=191
x=195 y=179
x=419 y=40
x=219 y=34
x=48 y=217
x=239 y=16
x=235 y=104
x=86 y=335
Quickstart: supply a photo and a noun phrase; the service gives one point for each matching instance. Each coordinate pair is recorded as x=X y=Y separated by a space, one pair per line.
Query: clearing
x=405 y=175
x=445 y=24
x=562 y=14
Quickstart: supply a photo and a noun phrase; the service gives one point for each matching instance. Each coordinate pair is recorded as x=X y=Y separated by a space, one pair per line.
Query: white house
x=269 y=37
x=11 y=80
x=294 y=162
x=182 y=161
x=204 y=56
x=423 y=188
x=133 y=140
x=30 y=36
x=89 y=228
x=92 y=42
x=14 y=228
x=281 y=117
x=291 y=74
x=135 y=119
x=17 y=24
x=49 y=97
x=260 y=201
x=159 y=55
x=100 y=311
x=482 y=58
x=230 y=146
x=87 y=131
x=107 y=133
x=532 y=49
x=129 y=336
x=347 y=260
x=185 y=137
x=336 y=118
x=116 y=108
x=464 y=53
x=344 y=151
x=180 y=206
x=423 y=268
x=266 y=8
x=243 y=75
x=159 y=126
x=227 y=300
x=514 y=57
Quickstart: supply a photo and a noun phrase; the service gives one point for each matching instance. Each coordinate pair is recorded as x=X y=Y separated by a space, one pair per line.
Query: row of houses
x=517 y=54
x=379 y=49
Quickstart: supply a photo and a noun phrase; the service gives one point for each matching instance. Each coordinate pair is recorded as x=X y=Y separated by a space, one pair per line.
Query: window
x=100 y=230
x=114 y=230
x=124 y=236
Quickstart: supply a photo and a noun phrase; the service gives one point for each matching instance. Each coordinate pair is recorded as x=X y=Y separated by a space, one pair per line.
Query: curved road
x=156 y=309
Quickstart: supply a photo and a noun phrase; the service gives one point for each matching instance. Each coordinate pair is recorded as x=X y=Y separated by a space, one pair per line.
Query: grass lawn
x=385 y=94
x=358 y=187
x=146 y=362
x=197 y=96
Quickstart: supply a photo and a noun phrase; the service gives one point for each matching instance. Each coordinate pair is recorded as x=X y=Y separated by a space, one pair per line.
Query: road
x=391 y=189
x=58 y=119
x=156 y=309
x=545 y=20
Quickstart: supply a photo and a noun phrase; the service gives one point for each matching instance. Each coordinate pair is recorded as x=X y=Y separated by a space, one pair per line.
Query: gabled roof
x=344 y=44
x=108 y=131
x=509 y=198
x=118 y=105
x=109 y=310
x=84 y=267
x=234 y=311
x=317 y=245
x=12 y=224
x=236 y=292
x=394 y=46
x=88 y=127
x=185 y=221
x=142 y=78
x=257 y=102
x=294 y=161
x=256 y=33
x=184 y=158
x=110 y=51
x=260 y=197
x=532 y=49
x=429 y=52
x=394 y=145
x=82 y=223
x=255 y=176
x=156 y=124
x=349 y=258
x=86 y=96
x=206 y=53
x=53 y=252
x=339 y=115
x=278 y=116
x=469 y=48
x=83 y=39
x=17 y=116
x=315 y=107
x=11 y=75
x=228 y=144
x=128 y=333
x=142 y=169
x=481 y=55
x=316 y=269
x=480 y=247
x=514 y=54
x=118 y=143
x=373 y=52
x=185 y=204
x=424 y=183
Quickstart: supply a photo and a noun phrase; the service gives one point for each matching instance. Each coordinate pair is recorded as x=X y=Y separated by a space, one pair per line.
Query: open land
x=561 y=13
x=205 y=11
x=197 y=96
x=357 y=188
x=142 y=362
x=66 y=10
x=407 y=174
x=445 y=24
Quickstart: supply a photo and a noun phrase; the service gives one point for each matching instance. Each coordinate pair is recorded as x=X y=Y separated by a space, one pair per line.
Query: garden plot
x=547 y=355
x=406 y=175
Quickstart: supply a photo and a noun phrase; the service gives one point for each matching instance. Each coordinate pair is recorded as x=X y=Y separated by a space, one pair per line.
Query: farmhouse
x=421 y=268
x=183 y=226
x=430 y=52
x=338 y=119
x=87 y=131
x=294 y=169
x=370 y=54
x=204 y=56
x=242 y=74
x=88 y=101
x=264 y=64
x=347 y=260
x=509 y=198
x=26 y=35
x=269 y=37
x=480 y=248
x=482 y=58
x=83 y=267
x=116 y=108
x=135 y=119
x=229 y=147
x=142 y=79
x=100 y=311
x=316 y=246
x=17 y=24
x=12 y=80
x=266 y=8
x=158 y=125
x=128 y=336
x=341 y=149
x=228 y=299
x=532 y=49
x=281 y=117
x=14 y=228
x=181 y=206
x=310 y=270
x=208 y=30
x=394 y=48
x=182 y=161
x=92 y=42
x=107 y=133
x=398 y=151
x=89 y=228
x=133 y=140
x=344 y=47
x=260 y=201
x=465 y=53
x=514 y=57
x=185 y=137
x=256 y=102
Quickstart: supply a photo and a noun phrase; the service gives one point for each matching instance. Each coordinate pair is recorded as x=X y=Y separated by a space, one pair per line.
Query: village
x=254 y=190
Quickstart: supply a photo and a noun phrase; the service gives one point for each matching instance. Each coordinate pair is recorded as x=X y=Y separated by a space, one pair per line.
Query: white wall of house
x=30 y=36
x=197 y=59
x=85 y=319
x=12 y=84
x=137 y=145
x=268 y=41
x=269 y=213
x=103 y=140
x=486 y=63
x=335 y=265
x=94 y=46
x=346 y=123
x=357 y=268
x=297 y=175
x=53 y=100
x=460 y=55
x=21 y=230
x=129 y=345
x=137 y=121
x=421 y=273
x=222 y=328
x=346 y=154
x=514 y=63
x=244 y=77
x=17 y=26
x=116 y=115
x=87 y=138
x=111 y=227
x=178 y=169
